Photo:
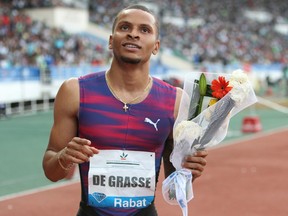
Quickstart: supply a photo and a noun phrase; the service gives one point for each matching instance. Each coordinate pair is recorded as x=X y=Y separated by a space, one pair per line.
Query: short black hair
x=138 y=7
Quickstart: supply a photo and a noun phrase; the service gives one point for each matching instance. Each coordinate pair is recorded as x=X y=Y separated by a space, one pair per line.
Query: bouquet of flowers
x=203 y=123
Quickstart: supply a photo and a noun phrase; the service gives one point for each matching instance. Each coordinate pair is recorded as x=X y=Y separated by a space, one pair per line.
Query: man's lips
x=131 y=46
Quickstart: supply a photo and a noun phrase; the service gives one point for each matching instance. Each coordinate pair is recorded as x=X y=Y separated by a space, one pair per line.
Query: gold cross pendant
x=125 y=107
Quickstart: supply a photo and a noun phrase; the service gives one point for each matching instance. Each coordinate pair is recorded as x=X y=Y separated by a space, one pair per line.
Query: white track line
x=40 y=189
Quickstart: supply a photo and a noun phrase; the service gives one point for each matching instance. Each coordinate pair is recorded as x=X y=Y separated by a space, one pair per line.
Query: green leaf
x=202 y=85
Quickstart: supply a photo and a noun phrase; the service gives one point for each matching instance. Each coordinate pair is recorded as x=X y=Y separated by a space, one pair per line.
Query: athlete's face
x=135 y=37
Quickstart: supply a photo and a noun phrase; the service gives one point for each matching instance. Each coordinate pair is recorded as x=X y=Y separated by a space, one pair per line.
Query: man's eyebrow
x=146 y=25
x=129 y=23
x=123 y=21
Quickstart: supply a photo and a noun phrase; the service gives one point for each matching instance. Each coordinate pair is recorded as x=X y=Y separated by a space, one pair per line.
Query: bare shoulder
x=70 y=84
x=68 y=96
x=179 y=93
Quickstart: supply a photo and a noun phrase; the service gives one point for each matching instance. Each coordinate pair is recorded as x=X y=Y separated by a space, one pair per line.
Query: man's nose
x=134 y=34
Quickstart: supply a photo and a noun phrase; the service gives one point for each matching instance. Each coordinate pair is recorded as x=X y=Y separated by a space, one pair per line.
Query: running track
x=243 y=178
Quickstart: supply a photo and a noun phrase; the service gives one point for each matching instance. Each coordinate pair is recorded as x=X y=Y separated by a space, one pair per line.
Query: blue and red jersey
x=145 y=126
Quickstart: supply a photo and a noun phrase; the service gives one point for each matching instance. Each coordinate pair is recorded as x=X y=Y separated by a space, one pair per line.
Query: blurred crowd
x=225 y=36
x=24 y=41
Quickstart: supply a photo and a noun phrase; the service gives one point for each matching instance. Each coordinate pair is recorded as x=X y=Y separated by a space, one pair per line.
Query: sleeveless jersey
x=145 y=126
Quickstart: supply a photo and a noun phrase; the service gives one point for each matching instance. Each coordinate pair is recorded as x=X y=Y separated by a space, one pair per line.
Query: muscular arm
x=168 y=166
x=63 y=143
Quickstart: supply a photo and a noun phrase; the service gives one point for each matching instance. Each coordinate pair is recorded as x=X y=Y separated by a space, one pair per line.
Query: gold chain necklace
x=125 y=107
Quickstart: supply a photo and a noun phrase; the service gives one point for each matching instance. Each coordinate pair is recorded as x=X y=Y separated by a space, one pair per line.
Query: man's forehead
x=130 y=15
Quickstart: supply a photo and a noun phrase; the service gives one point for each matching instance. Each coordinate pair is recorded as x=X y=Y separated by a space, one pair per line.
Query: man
x=117 y=125
x=3 y=110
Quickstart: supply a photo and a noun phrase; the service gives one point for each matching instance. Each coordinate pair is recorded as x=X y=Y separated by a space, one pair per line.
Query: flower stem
x=200 y=104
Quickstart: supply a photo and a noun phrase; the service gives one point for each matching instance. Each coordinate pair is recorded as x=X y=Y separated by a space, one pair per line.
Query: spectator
x=3 y=110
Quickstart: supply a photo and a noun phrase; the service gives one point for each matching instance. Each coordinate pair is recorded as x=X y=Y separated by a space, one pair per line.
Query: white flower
x=187 y=130
x=238 y=76
x=240 y=84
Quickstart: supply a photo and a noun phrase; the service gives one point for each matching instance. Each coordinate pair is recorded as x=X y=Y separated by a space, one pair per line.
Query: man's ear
x=110 y=42
x=156 y=49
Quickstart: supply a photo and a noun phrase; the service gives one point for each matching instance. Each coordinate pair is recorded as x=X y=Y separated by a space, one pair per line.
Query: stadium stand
x=206 y=35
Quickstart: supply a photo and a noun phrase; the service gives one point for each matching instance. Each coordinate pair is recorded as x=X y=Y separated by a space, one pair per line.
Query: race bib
x=121 y=179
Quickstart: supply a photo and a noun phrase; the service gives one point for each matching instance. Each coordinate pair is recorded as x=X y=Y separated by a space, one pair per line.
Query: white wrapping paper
x=207 y=129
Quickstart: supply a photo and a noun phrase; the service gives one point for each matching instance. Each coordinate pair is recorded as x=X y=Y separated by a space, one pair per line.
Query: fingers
x=94 y=150
x=78 y=150
x=202 y=153
x=81 y=141
x=196 y=163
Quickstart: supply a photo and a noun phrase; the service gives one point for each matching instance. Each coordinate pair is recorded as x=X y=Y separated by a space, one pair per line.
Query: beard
x=130 y=60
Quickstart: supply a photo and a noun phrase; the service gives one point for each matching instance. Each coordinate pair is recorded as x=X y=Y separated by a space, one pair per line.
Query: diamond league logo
x=99 y=197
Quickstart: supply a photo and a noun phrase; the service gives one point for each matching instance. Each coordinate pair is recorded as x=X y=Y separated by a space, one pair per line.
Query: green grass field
x=24 y=140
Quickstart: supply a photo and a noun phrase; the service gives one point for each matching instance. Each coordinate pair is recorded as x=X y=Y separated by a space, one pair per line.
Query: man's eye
x=124 y=27
x=145 y=30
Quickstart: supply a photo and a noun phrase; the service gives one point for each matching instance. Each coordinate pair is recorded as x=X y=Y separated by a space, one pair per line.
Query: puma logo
x=152 y=123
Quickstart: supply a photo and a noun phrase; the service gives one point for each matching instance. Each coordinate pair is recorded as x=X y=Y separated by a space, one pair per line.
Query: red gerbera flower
x=220 y=87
